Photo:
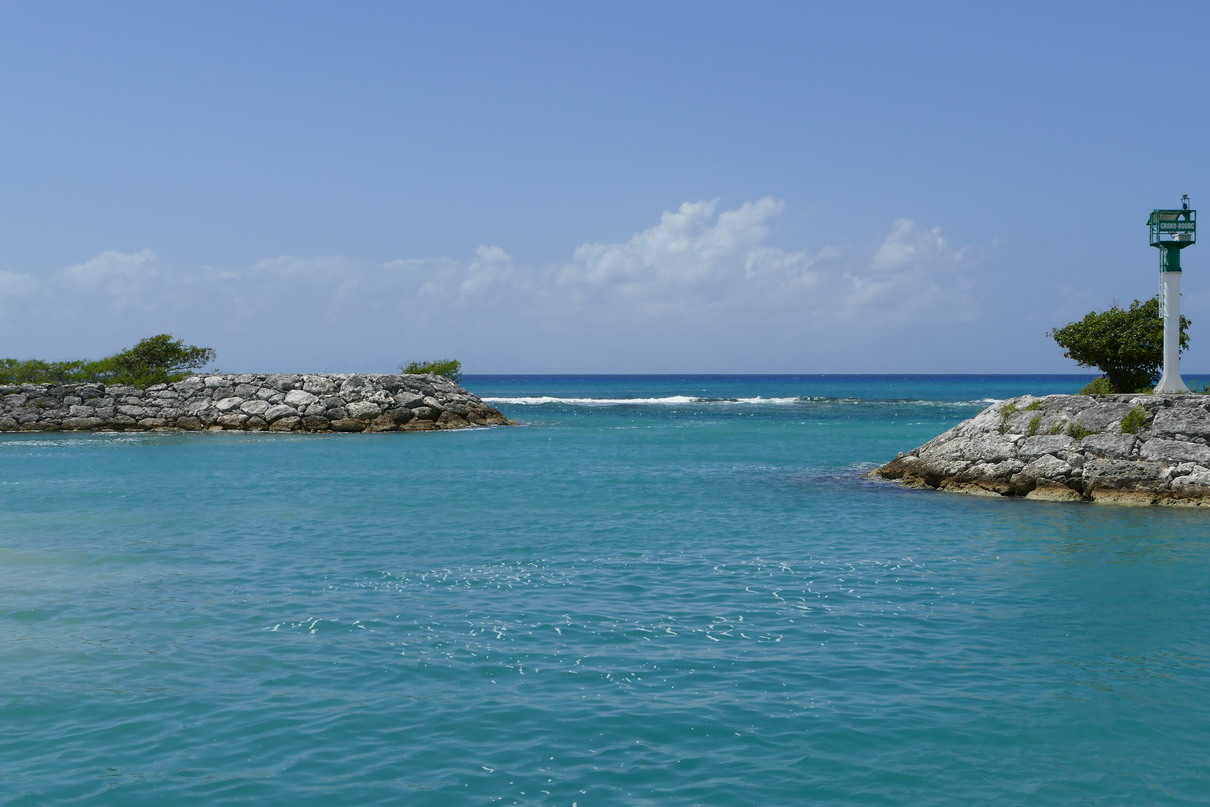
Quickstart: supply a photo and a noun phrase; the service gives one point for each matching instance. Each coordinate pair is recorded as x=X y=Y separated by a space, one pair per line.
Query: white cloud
x=490 y=269
x=712 y=265
x=110 y=266
x=912 y=273
x=906 y=247
x=687 y=247
x=697 y=276
x=119 y=280
x=15 y=284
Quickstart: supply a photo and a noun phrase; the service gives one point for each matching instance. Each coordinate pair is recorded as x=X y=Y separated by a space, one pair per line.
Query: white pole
x=1170 y=303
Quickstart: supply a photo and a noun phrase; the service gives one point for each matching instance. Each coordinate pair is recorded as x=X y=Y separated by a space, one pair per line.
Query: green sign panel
x=1175 y=226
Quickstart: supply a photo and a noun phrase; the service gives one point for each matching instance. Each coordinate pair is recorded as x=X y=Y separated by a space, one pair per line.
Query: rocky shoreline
x=250 y=402
x=1120 y=449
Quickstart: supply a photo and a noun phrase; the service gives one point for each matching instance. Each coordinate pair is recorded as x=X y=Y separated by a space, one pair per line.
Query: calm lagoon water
x=656 y=590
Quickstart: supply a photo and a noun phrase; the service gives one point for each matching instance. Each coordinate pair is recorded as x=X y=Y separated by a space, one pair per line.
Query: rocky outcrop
x=1124 y=449
x=275 y=403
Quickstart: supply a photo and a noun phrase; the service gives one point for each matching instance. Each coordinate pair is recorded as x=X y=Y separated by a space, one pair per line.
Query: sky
x=621 y=187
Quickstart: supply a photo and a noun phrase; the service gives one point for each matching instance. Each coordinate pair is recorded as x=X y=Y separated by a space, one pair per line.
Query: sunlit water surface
x=654 y=591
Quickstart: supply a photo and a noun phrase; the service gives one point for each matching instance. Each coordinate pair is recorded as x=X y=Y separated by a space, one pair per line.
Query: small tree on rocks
x=155 y=360
x=1127 y=345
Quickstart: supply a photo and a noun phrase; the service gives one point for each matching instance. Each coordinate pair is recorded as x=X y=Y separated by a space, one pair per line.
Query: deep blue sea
x=655 y=590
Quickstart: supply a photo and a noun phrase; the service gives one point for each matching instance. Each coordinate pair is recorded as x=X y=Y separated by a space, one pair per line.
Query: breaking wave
x=689 y=400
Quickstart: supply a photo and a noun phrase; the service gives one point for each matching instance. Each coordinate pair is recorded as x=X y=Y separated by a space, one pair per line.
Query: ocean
x=654 y=590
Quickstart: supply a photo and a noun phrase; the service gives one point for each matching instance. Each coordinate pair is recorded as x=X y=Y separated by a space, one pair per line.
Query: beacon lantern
x=1171 y=231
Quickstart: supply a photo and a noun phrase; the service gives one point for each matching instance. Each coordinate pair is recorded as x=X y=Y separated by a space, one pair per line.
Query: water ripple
x=712 y=615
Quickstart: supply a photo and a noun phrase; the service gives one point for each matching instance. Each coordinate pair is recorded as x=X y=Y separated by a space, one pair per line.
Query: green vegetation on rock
x=1137 y=418
x=1127 y=345
x=450 y=368
x=1008 y=410
x=1078 y=431
x=1098 y=386
x=155 y=360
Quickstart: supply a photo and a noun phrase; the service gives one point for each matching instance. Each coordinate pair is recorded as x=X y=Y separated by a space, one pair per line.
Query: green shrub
x=1078 y=431
x=1034 y=423
x=1034 y=405
x=155 y=360
x=1099 y=386
x=450 y=368
x=36 y=371
x=1006 y=411
x=1137 y=418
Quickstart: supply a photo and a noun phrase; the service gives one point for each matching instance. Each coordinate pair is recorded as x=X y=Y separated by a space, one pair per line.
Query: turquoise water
x=654 y=591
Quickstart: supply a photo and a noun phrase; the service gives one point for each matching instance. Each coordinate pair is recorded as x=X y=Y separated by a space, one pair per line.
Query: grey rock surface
x=249 y=402
x=1072 y=448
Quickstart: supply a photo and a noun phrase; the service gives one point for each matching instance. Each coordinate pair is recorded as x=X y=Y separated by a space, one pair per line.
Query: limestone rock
x=364 y=410
x=318 y=385
x=300 y=398
x=256 y=406
x=253 y=402
x=1041 y=448
x=1174 y=451
x=275 y=413
x=1112 y=446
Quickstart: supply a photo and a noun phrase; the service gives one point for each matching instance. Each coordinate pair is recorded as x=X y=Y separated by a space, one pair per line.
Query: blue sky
x=568 y=187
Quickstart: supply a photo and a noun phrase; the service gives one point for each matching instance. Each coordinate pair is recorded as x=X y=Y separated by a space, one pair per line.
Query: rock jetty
x=1121 y=449
x=246 y=402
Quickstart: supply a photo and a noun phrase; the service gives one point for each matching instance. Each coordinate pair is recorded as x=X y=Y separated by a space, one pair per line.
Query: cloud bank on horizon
x=704 y=289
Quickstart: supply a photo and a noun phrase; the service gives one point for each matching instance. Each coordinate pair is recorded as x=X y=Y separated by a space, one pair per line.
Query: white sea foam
x=672 y=400
x=780 y=401
x=682 y=400
x=24 y=440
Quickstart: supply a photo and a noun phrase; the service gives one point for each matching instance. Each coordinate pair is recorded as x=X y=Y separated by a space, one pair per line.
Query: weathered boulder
x=362 y=410
x=255 y=407
x=299 y=398
x=1123 y=449
x=248 y=402
x=278 y=412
